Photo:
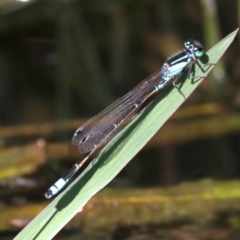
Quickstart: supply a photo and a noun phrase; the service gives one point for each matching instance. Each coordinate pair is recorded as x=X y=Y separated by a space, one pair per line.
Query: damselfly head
x=195 y=46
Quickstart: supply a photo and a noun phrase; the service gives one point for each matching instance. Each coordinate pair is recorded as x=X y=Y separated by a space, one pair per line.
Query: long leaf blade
x=115 y=155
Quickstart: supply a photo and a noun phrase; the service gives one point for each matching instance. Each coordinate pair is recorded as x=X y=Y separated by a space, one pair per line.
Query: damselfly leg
x=189 y=74
x=202 y=69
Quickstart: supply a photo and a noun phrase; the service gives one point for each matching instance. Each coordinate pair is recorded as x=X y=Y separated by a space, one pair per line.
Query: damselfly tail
x=61 y=183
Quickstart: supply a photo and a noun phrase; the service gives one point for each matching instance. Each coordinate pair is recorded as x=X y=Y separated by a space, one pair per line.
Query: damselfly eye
x=198 y=51
x=187 y=44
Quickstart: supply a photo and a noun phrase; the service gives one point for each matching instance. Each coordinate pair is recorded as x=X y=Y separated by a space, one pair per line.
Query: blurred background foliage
x=61 y=62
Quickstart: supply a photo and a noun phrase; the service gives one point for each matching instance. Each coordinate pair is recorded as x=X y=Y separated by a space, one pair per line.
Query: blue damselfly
x=101 y=129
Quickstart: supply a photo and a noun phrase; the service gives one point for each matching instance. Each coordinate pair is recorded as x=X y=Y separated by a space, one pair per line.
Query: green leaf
x=117 y=154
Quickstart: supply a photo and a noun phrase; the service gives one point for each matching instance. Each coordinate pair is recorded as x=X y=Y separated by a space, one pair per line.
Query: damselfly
x=101 y=129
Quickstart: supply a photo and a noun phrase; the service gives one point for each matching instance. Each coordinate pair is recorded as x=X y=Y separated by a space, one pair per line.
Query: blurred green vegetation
x=64 y=61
